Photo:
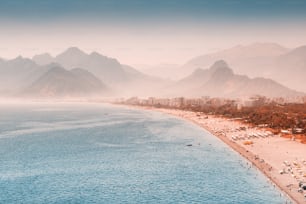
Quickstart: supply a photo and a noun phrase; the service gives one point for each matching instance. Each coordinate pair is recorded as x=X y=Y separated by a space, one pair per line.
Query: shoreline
x=269 y=154
x=286 y=183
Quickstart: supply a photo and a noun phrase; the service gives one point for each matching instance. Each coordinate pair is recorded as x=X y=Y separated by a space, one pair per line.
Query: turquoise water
x=95 y=153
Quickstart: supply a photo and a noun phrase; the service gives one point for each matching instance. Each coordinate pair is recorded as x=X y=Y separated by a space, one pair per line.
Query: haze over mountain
x=17 y=73
x=105 y=68
x=253 y=56
x=74 y=73
x=290 y=69
x=165 y=71
x=247 y=59
x=59 y=82
x=123 y=79
x=220 y=81
x=268 y=60
x=43 y=59
x=262 y=60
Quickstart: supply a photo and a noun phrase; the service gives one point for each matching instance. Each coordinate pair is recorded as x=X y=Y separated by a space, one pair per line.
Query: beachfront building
x=177 y=102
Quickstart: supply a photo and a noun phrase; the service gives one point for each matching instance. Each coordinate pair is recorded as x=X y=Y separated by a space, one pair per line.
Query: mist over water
x=96 y=153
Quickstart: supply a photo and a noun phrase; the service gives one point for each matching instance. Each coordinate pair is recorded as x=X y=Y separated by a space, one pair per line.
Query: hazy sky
x=147 y=31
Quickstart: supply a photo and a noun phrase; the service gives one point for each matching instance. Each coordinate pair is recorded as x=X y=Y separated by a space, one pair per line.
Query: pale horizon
x=178 y=59
x=147 y=33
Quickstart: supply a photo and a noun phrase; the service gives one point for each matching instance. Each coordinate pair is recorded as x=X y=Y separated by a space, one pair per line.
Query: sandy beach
x=282 y=160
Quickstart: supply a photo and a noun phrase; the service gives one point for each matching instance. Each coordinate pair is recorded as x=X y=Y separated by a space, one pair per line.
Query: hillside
x=220 y=81
x=267 y=60
x=17 y=73
x=58 y=82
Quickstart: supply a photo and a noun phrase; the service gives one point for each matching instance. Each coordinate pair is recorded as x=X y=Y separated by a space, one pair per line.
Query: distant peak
x=71 y=53
x=57 y=69
x=221 y=67
x=74 y=49
x=96 y=54
x=219 y=63
x=19 y=57
x=22 y=59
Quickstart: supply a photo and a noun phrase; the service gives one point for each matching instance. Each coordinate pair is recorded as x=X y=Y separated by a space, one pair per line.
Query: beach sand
x=282 y=160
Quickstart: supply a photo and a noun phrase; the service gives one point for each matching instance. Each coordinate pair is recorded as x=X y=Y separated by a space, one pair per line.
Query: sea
x=102 y=153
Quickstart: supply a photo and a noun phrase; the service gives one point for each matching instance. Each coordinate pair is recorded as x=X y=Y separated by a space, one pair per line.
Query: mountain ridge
x=277 y=65
x=101 y=71
x=107 y=69
x=220 y=81
x=59 y=82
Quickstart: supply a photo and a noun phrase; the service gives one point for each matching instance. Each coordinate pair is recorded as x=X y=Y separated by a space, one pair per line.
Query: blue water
x=95 y=153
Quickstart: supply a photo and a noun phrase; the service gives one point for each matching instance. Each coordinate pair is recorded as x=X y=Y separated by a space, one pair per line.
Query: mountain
x=220 y=81
x=59 y=82
x=267 y=60
x=123 y=79
x=17 y=73
x=253 y=60
x=196 y=79
x=24 y=77
x=76 y=73
x=71 y=58
x=293 y=61
x=107 y=69
x=290 y=69
x=43 y=59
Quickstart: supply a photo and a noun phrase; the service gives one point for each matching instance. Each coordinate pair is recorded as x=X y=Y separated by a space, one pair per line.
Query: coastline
x=258 y=152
